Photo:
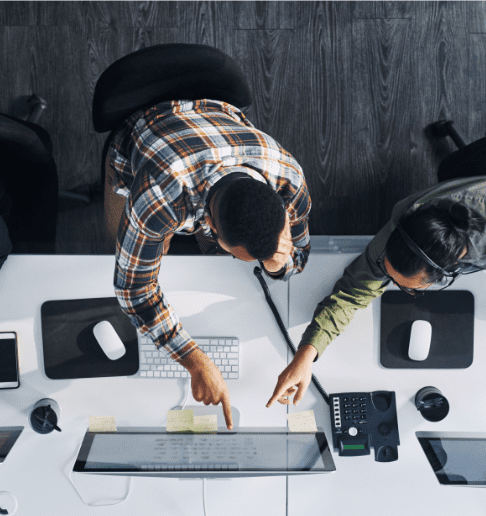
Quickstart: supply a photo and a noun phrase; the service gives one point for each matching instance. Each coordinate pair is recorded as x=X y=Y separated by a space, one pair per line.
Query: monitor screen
x=456 y=459
x=222 y=452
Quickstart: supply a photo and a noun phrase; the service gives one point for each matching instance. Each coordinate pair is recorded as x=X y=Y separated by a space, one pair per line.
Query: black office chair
x=28 y=183
x=468 y=161
x=176 y=71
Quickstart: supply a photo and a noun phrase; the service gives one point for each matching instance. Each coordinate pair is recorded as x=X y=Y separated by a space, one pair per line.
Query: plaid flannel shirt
x=166 y=159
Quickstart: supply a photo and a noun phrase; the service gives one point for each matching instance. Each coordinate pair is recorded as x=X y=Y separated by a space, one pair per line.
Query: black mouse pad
x=451 y=314
x=70 y=347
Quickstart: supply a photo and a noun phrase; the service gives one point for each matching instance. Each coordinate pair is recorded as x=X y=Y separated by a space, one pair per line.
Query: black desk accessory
x=432 y=404
x=451 y=314
x=381 y=427
x=360 y=420
x=45 y=416
x=70 y=347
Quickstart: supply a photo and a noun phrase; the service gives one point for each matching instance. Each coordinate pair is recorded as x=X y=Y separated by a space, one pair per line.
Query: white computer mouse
x=109 y=340
x=420 y=338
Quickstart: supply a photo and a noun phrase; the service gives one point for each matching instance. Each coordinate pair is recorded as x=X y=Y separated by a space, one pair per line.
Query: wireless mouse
x=109 y=340
x=420 y=338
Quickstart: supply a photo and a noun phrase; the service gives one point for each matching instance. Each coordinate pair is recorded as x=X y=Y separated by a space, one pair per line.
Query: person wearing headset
x=433 y=237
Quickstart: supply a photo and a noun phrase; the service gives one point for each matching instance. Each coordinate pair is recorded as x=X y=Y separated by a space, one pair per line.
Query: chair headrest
x=25 y=139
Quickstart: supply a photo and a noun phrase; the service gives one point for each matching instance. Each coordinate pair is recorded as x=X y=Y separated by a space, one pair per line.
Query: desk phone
x=360 y=420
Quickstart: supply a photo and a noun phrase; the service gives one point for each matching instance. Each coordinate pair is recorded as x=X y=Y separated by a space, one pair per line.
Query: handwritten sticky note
x=180 y=421
x=304 y=421
x=102 y=424
x=205 y=423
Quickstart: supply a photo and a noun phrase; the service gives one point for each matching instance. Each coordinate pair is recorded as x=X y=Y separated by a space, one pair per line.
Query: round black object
x=43 y=420
x=432 y=404
x=382 y=401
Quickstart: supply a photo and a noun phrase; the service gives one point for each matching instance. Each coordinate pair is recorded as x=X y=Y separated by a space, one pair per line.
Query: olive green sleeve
x=361 y=282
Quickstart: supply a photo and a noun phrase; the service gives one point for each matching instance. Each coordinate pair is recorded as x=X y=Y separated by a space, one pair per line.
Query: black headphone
x=416 y=250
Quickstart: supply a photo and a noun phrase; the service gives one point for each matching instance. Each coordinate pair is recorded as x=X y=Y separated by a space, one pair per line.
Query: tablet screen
x=456 y=460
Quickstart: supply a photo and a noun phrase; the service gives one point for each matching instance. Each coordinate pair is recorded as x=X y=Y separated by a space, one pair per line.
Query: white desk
x=351 y=363
x=228 y=299
x=212 y=295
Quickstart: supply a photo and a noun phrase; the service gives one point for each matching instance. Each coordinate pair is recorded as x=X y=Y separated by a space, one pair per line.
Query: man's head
x=441 y=230
x=248 y=218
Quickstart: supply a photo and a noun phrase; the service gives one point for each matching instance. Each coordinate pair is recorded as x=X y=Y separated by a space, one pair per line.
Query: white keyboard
x=223 y=351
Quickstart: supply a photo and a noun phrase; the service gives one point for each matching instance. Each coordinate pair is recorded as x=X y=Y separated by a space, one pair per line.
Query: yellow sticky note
x=102 y=424
x=206 y=423
x=180 y=421
x=304 y=421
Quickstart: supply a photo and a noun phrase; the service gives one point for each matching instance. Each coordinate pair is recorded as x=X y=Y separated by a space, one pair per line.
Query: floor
x=348 y=88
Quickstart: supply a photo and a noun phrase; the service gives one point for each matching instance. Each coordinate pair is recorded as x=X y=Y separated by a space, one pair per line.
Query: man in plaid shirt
x=199 y=167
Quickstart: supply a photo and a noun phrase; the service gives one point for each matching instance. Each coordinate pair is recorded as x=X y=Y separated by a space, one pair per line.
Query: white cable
x=97 y=504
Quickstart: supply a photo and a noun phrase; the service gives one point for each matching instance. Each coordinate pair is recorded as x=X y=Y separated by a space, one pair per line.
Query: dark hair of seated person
x=251 y=215
x=441 y=230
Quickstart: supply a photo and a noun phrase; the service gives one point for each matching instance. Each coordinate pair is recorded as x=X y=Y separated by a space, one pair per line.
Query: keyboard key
x=150 y=360
x=150 y=373
x=232 y=355
x=234 y=349
x=167 y=368
x=160 y=368
x=217 y=362
x=153 y=367
x=222 y=342
x=202 y=342
x=225 y=375
x=213 y=348
x=146 y=347
x=177 y=374
x=233 y=362
x=226 y=349
x=222 y=355
x=143 y=360
x=215 y=355
x=144 y=367
x=185 y=374
x=148 y=354
x=143 y=373
x=157 y=361
x=163 y=374
x=210 y=355
x=157 y=373
x=234 y=368
x=224 y=361
x=170 y=374
x=220 y=348
x=233 y=375
x=227 y=368
x=173 y=368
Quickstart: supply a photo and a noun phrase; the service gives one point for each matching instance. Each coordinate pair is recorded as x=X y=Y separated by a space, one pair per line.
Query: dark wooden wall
x=347 y=87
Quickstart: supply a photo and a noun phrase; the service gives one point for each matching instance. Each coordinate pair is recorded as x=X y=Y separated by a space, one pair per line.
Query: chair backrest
x=162 y=73
x=25 y=140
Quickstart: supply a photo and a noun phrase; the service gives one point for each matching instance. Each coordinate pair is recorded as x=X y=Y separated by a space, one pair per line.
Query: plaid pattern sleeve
x=166 y=159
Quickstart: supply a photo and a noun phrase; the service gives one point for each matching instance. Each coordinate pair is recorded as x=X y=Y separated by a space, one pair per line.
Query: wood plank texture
x=477 y=86
x=476 y=17
x=380 y=128
x=347 y=87
x=265 y=15
x=325 y=117
x=368 y=10
x=439 y=79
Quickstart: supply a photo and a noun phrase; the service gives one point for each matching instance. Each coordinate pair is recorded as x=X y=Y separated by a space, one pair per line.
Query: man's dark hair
x=251 y=215
x=441 y=229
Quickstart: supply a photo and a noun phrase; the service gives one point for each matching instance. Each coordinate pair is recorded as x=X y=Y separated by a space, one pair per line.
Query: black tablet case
x=451 y=314
x=70 y=348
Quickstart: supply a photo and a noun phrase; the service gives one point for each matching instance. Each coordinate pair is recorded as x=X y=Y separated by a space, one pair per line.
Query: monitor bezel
x=425 y=439
x=324 y=450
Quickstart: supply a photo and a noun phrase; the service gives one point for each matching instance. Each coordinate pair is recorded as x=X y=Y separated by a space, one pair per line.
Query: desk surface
x=227 y=299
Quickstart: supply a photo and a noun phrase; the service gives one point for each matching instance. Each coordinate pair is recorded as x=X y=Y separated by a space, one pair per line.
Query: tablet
x=248 y=452
x=457 y=458
x=8 y=436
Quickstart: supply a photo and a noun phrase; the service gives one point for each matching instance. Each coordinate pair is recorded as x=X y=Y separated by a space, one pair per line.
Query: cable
x=258 y=273
x=97 y=504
